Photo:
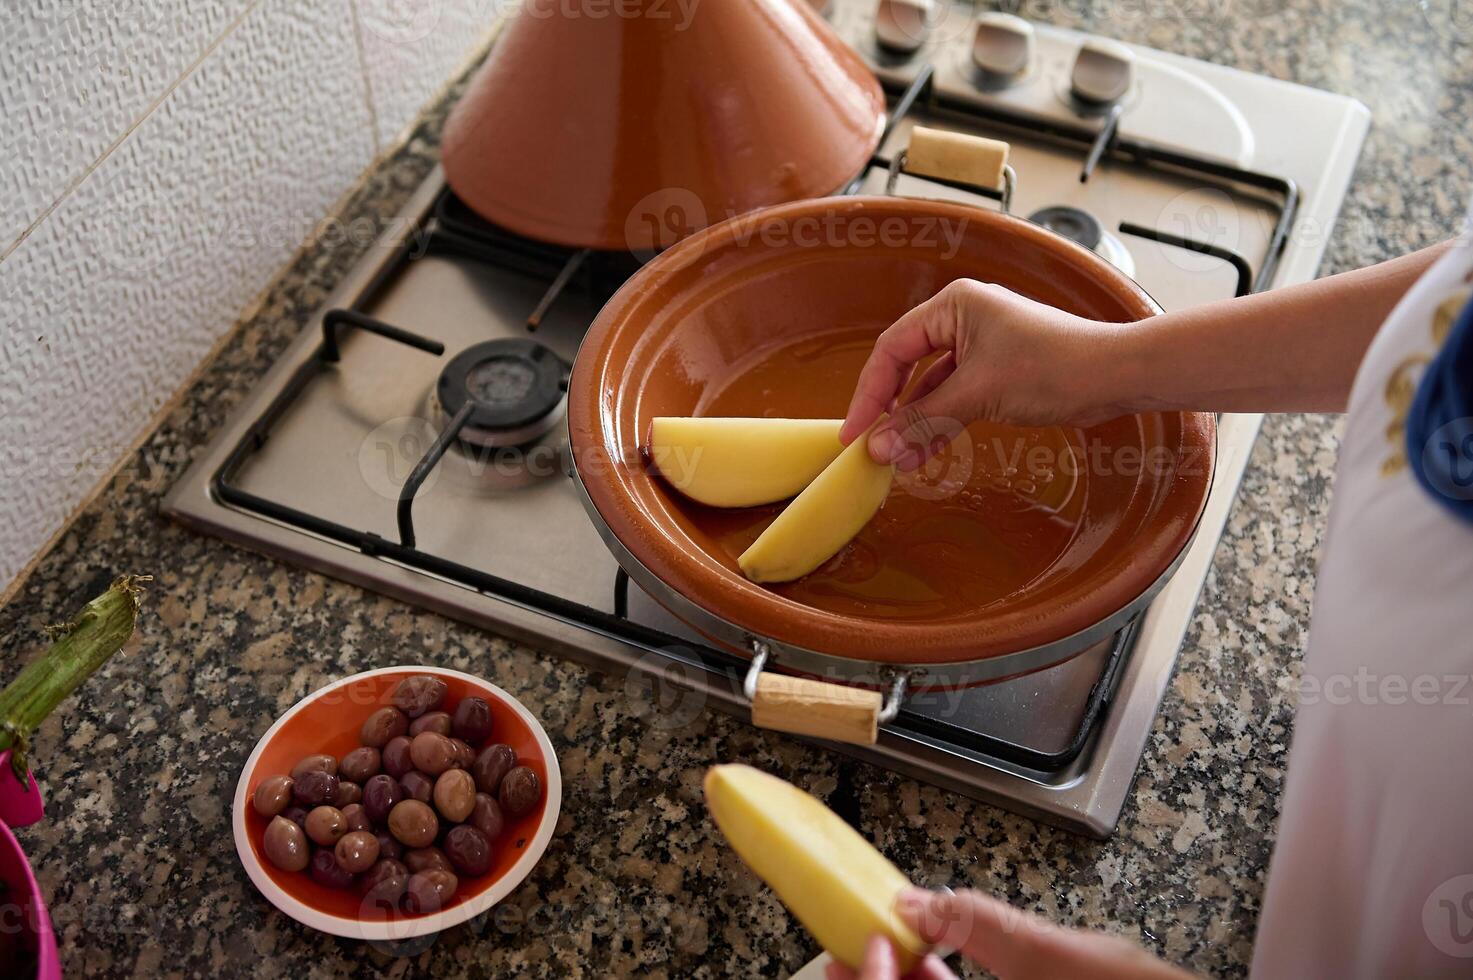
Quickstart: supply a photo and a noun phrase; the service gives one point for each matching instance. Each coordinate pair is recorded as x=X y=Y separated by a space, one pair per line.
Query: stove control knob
x=1002 y=47
x=902 y=26
x=1103 y=71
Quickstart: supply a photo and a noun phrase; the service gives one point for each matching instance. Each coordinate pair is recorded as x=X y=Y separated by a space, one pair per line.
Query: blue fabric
x=1440 y=425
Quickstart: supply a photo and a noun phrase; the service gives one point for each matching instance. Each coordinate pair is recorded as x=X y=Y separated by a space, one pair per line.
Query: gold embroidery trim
x=1401 y=386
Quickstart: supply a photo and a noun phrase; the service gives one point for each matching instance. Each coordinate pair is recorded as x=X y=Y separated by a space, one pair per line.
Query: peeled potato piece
x=742 y=462
x=831 y=878
x=823 y=519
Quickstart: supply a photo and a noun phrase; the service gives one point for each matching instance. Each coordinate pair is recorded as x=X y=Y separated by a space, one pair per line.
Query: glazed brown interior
x=630 y=131
x=1015 y=539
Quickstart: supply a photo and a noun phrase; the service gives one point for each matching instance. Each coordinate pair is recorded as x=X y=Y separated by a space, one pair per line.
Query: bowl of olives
x=396 y=803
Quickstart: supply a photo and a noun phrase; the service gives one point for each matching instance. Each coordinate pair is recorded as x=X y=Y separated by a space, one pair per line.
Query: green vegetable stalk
x=78 y=648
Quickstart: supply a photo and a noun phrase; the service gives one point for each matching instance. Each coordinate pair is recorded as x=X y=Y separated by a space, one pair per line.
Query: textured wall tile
x=410 y=48
x=75 y=74
x=120 y=292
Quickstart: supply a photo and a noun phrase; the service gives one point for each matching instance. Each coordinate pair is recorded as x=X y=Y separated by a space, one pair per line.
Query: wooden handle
x=809 y=707
x=956 y=156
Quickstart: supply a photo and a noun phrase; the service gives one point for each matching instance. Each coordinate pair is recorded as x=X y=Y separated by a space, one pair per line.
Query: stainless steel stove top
x=311 y=466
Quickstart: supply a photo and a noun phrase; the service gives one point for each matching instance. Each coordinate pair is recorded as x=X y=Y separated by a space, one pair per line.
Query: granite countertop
x=136 y=858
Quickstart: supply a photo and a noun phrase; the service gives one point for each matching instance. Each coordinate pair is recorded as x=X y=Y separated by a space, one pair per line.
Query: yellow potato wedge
x=822 y=519
x=831 y=878
x=742 y=462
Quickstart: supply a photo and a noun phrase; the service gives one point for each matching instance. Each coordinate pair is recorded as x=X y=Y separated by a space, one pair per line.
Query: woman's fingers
x=931 y=378
x=838 y=971
x=1015 y=945
x=931 y=968
x=924 y=426
x=888 y=442
x=879 y=963
x=993 y=933
x=924 y=330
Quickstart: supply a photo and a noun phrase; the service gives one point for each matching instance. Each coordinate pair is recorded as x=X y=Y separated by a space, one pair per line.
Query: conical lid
x=631 y=129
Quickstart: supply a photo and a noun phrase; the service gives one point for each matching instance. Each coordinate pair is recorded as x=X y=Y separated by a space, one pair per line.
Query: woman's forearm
x=1294 y=349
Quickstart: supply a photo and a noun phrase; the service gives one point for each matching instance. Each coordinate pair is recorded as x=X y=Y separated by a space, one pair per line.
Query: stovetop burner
x=514 y=391
x=1201 y=177
x=1078 y=225
x=1075 y=224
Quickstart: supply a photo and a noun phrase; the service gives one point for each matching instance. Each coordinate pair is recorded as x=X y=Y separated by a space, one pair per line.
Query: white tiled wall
x=159 y=162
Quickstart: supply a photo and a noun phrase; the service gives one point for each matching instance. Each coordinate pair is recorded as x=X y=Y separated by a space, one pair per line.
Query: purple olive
x=326 y=870
x=315 y=788
x=381 y=726
x=396 y=760
x=383 y=884
x=357 y=817
x=379 y=797
x=520 y=792
x=360 y=765
x=468 y=850
x=388 y=847
x=285 y=845
x=428 y=891
x=321 y=762
x=272 y=795
x=464 y=756
x=427 y=859
x=472 y=721
x=348 y=792
x=418 y=694
x=486 y=816
x=492 y=765
x=417 y=786
x=431 y=721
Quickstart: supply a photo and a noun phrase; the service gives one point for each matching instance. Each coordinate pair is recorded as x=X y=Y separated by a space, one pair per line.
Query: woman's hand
x=1008 y=359
x=1007 y=942
x=1004 y=358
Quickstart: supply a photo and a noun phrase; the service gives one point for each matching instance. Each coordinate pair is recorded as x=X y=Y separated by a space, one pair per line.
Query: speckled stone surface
x=137 y=861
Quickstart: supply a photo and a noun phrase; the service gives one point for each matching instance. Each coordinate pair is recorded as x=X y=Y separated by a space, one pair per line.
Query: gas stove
x=411 y=440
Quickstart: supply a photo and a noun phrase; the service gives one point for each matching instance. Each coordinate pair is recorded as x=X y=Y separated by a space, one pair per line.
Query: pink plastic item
x=20 y=806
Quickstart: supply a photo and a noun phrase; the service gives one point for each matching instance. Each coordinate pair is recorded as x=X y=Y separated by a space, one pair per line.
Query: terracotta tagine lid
x=633 y=128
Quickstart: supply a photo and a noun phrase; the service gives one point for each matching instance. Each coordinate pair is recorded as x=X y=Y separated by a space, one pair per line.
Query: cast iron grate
x=456 y=230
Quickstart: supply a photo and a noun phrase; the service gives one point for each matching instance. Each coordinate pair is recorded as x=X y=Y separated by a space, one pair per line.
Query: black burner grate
x=455 y=229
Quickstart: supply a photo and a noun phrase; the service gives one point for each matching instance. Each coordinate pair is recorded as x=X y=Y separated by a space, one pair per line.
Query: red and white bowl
x=328 y=721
